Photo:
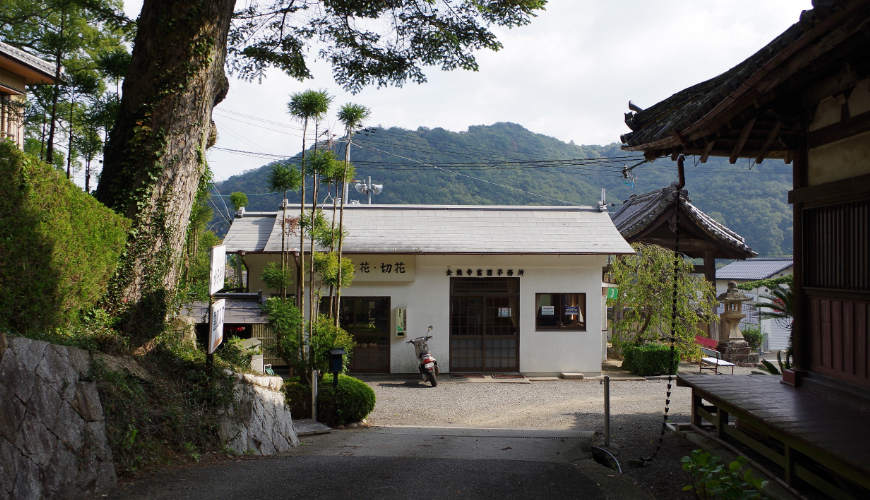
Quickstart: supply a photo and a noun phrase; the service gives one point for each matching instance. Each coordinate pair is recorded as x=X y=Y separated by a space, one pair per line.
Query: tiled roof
x=438 y=229
x=754 y=269
x=640 y=210
x=685 y=108
x=32 y=61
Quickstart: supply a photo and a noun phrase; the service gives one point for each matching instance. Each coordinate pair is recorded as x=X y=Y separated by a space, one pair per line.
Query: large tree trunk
x=156 y=153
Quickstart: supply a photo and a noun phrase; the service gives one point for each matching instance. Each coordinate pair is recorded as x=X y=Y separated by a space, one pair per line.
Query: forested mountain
x=506 y=164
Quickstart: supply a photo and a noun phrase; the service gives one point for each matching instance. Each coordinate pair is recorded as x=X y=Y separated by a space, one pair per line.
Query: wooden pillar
x=721 y=423
x=710 y=267
x=710 y=275
x=800 y=333
x=697 y=402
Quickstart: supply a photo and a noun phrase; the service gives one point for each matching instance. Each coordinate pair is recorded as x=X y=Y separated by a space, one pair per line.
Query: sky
x=569 y=75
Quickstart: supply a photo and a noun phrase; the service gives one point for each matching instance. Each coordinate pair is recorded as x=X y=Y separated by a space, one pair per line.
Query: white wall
x=427 y=300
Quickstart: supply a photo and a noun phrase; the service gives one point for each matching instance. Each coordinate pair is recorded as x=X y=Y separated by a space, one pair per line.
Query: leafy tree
x=646 y=295
x=71 y=34
x=89 y=145
x=304 y=353
x=238 y=200
x=156 y=152
x=307 y=106
x=779 y=308
x=285 y=178
x=352 y=116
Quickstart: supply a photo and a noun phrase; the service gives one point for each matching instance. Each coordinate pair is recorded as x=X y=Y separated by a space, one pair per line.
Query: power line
x=488 y=182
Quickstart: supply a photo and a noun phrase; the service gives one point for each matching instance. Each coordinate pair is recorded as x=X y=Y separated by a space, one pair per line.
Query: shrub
x=285 y=320
x=713 y=479
x=58 y=245
x=649 y=359
x=753 y=334
x=172 y=416
x=355 y=400
x=352 y=403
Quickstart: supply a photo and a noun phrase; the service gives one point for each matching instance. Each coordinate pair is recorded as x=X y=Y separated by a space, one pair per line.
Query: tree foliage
x=79 y=37
x=646 y=296
x=238 y=200
x=369 y=43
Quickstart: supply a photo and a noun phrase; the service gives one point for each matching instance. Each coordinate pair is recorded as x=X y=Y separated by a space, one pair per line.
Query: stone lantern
x=732 y=345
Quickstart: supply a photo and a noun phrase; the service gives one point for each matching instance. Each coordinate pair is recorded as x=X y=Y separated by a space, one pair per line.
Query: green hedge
x=356 y=400
x=649 y=359
x=58 y=245
x=753 y=334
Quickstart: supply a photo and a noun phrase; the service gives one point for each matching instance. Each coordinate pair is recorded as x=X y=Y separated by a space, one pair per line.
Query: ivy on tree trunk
x=155 y=157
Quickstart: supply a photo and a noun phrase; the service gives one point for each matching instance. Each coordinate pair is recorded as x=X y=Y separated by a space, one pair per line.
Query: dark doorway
x=484 y=324
x=368 y=320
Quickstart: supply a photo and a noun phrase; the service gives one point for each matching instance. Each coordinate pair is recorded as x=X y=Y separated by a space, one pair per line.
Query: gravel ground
x=636 y=415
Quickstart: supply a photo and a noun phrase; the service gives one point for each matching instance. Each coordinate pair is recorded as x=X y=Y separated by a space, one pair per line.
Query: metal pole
x=607 y=410
x=209 y=356
x=314 y=395
x=369 y=189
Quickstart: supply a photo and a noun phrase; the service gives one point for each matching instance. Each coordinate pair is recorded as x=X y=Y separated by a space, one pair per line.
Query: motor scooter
x=426 y=362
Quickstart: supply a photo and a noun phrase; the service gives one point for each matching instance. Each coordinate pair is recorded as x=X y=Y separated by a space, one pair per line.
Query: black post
x=607 y=410
x=209 y=357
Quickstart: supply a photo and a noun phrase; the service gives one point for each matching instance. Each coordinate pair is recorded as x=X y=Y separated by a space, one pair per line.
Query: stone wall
x=52 y=431
x=260 y=423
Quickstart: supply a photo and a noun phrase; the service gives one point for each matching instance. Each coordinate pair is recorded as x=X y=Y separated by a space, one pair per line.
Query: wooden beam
x=741 y=141
x=839 y=191
x=844 y=129
x=769 y=142
x=707 y=149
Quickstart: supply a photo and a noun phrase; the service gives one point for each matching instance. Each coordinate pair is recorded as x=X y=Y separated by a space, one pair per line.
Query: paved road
x=405 y=463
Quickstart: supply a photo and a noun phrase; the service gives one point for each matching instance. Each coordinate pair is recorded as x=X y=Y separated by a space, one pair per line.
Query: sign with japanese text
x=401 y=324
x=216 y=323
x=504 y=312
x=218 y=269
x=383 y=267
x=548 y=310
x=572 y=310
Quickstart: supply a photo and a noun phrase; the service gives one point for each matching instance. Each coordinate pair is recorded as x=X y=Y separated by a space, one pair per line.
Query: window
x=560 y=311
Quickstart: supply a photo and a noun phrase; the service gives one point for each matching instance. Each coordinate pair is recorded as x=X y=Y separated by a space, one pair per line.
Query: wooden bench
x=714 y=357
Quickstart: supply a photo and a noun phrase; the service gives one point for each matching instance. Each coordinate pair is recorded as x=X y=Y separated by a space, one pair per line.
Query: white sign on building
x=218 y=270
x=383 y=267
x=216 y=320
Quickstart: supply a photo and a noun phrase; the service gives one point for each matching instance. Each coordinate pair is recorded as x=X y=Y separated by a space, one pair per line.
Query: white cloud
x=569 y=74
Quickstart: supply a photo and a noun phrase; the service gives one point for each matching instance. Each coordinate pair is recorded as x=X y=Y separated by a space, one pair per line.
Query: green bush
x=304 y=354
x=713 y=479
x=649 y=359
x=355 y=400
x=58 y=245
x=753 y=334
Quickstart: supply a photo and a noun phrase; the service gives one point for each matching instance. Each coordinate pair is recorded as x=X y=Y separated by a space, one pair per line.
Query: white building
x=505 y=288
x=777 y=333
